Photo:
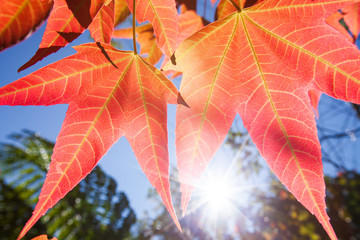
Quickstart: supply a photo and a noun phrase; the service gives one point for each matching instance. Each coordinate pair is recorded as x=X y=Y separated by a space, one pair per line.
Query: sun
x=217 y=193
x=216 y=196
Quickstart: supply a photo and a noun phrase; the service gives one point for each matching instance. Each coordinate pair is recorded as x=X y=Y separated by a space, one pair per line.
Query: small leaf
x=101 y=28
x=162 y=14
x=67 y=21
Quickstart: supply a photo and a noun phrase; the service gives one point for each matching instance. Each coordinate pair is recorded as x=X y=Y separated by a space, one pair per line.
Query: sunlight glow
x=217 y=194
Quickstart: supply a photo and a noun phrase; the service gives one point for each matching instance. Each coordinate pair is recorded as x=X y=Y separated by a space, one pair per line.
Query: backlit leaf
x=225 y=7
x=261 y=62
x=19 y=17
x=162 y=14
x=110 y=94
x=189 y=23
x=67 y=21
x=102 y=26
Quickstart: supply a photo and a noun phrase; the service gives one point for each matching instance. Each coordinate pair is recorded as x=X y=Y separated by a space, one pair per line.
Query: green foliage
x=92 y=210
x=282 y=217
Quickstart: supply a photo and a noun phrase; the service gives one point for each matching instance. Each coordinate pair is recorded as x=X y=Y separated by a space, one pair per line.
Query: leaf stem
x=133 y=27
x=235 y=5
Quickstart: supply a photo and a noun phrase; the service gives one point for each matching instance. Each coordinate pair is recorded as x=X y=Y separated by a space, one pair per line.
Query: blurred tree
x=162 y=227
x=92 y=210
x=14 y=212
x=282 y=217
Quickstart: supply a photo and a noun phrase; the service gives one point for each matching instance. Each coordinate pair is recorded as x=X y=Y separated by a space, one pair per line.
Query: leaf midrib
x=294 y=6
x=15 y=16
x=68 y=76
x=82 y=142
x=279 y=119
x=168 y=202
x=196 y=147
x=171 y=51
x=65 y=25
x=301 y=49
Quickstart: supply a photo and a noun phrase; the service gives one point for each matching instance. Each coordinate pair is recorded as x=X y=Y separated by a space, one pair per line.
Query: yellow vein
x=151 y=136
x=82 y=142
x=279 y=120
x=15 y=16
x=304 y=51
x=205 y=35
x=161 y=26
x=298 y=6
x=210 y=95
x=65 y=76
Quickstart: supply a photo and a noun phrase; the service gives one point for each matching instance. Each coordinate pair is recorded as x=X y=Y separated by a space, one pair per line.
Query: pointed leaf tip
x=180 y=100
x=173 y=59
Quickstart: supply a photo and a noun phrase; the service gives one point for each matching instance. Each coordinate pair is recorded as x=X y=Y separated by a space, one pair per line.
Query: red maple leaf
x=102 y=26
x=162 y=14
x=110 y=94
x=261 y=62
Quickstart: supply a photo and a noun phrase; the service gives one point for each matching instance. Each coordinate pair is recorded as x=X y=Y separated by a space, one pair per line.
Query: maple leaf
x=67 y=21
x=110 y=94
x=19 y=17
x=102 y=26
x=223 y=9
x=261 y=62
x=162 y=14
